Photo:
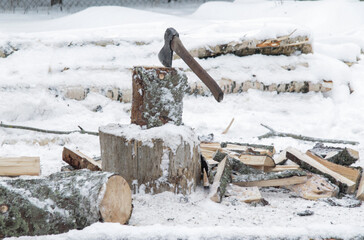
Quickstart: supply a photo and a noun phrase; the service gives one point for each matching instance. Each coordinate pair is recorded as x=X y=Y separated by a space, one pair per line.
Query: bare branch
x=273 y=133
x=48 y=131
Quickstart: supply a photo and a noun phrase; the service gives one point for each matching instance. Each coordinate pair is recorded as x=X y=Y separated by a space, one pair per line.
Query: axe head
x=165 y=55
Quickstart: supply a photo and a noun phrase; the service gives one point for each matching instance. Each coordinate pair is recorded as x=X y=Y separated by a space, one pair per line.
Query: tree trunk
x=62 y=201
x=154 y=160
x=157 y=96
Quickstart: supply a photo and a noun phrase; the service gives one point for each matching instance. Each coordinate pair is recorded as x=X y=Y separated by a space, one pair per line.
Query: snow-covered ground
x=59 y=50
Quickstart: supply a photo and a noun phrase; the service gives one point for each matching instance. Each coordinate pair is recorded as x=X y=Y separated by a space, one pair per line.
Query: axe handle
x=181 y=51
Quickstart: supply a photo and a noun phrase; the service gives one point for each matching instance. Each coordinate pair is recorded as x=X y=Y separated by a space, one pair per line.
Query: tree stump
x=153 y=160
x=157 y=96
x=62 y=201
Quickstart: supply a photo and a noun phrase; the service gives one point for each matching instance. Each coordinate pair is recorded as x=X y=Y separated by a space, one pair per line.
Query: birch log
x=62 y=201
x=157 y=96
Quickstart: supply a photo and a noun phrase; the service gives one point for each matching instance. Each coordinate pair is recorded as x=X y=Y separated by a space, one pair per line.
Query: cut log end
x=116 y=204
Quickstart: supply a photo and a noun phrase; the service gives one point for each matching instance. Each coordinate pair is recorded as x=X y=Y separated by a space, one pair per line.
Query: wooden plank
x=310 y=164
x=17 y=166
x=273 y=182
x=350 y=173
x=257 y=160
x=314 y=188
x=78 y=160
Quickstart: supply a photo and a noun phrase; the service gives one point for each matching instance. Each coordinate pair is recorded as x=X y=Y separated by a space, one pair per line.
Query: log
x=315 y=188
x=221 y=180
x=78 y=160
x=17 y=166
x=62 y=201
x=284 y=45
x=152 y=160
x=157 y=96
x=306 y=162
x=272 y=179
x=342 y=156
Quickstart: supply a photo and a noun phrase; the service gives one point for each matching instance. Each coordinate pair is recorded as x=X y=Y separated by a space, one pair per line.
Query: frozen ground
x=48 y=44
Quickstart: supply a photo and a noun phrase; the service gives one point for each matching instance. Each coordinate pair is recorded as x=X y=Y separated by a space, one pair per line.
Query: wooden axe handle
x=181 y=51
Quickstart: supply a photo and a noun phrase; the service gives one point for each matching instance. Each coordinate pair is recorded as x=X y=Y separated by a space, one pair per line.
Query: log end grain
x=116 y=205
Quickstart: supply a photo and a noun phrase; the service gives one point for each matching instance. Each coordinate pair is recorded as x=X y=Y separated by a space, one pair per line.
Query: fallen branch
x=81 y=131
x=273 y=133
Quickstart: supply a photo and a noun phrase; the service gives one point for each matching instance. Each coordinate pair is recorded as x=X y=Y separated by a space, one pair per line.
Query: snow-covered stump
x=62 y=201
x=157 y=96
x=153 y=160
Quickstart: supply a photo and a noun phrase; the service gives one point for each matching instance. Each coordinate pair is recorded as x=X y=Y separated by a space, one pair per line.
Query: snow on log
x=153 y=160
x=17 y=166
x=157 y=96
x=62 y=201
x=78 y=160
x=315 y=188
x=342 y=156
x=306 y=162
x=284 y=45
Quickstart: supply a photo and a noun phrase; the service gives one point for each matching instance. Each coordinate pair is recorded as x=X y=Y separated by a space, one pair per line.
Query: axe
x=173 y=43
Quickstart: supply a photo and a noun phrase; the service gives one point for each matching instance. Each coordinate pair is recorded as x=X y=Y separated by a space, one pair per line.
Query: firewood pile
x=236 y=169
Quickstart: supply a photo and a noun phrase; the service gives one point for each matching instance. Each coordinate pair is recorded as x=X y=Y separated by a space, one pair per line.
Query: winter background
x=56 y=51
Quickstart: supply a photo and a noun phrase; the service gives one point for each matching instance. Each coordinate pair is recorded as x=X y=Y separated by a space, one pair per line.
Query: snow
x=97 y=47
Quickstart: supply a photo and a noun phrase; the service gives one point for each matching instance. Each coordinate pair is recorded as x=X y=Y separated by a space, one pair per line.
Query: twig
x=81 y=131
x=228 y=127
x=273 y=133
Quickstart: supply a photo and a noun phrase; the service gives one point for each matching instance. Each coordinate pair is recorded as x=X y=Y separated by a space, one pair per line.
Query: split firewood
x=272 y=179
x=280 y=158
x=78 y=160
x=257 y=160
x=360 y=191
x=279 y=168
x=245 y=147
x=342 y=156
x=62 y=201
x=314 y=188
x=350 y=173
x=244 y=194
x=211 y=146
x=17 y=166
x=221 y=180
x=311 y=164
